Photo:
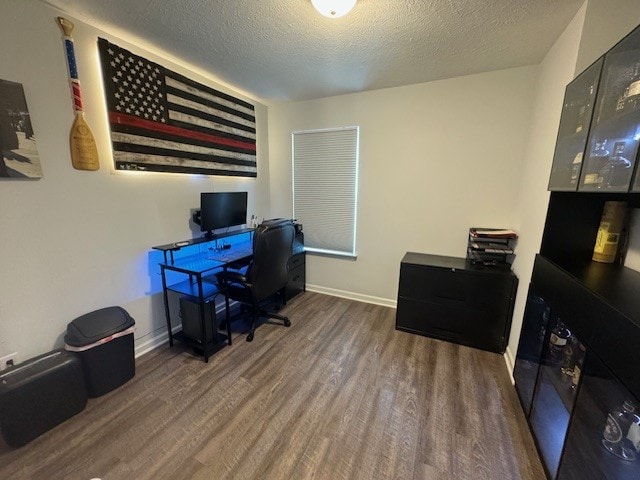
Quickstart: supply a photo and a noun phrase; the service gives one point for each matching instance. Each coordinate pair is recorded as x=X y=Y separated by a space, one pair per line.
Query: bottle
x=558 y=341
x=615 y=171
x=599 y=156
x=583 y=110
x=633 y=95
x=612 y=222
x=577 y=368
x=620 y=104
x=621 y=434
x=575 y=168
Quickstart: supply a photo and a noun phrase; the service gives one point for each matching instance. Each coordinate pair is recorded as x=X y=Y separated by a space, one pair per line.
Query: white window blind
x=325 y=187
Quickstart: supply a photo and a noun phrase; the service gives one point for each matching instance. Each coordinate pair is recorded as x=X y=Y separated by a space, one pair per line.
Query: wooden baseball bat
x=84 y=152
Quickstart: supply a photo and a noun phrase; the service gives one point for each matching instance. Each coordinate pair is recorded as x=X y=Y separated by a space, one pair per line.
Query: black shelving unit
x=599 y=303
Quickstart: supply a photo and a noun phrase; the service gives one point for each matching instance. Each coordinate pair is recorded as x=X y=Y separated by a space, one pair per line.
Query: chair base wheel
x=287 y=323
x=250 y=337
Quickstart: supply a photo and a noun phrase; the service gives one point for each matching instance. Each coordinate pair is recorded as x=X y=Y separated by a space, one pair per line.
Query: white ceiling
x=284 y=50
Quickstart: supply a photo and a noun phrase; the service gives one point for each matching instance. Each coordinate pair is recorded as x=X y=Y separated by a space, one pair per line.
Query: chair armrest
x=227 y=277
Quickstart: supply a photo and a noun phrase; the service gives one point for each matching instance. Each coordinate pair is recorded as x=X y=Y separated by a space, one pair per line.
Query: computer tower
x=190 y=316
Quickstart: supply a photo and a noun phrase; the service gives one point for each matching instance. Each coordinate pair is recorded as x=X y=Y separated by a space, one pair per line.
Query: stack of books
x=491 y=246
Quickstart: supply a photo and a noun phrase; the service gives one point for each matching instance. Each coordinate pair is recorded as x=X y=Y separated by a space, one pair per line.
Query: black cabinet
x=578 y=384
x=575 y=121
x=582 y=396
x=613 y=139
x=449 y=299
x=599 y=445
x=599 y=132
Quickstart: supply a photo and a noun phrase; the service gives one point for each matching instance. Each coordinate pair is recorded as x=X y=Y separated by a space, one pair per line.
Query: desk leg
x=227 y=317
x=166 y=305
x=203 y=331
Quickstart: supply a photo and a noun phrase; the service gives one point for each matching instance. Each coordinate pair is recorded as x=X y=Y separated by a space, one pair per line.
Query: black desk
x=200 y=286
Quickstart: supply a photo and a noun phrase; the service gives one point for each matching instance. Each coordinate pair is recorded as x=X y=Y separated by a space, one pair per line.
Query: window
x=325 y=184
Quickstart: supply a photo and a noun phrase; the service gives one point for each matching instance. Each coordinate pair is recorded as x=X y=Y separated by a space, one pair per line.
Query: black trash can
x=103 y=340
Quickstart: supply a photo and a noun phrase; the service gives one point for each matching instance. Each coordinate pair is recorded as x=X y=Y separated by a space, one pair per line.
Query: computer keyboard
x=236 y=252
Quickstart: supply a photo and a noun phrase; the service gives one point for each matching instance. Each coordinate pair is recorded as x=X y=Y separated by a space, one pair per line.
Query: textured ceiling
x=284 y=50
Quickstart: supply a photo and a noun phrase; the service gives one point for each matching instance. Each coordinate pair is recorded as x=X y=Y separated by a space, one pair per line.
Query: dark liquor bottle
x=558 y=341
x=615 y=171
x=621 y=434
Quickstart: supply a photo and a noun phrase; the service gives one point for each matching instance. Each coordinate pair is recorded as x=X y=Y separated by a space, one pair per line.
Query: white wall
x=606 y=23
x=555 y=71
x=435 y=159
x=75 y=241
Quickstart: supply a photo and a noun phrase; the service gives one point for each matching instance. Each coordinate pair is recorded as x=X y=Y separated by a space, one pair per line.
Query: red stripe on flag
x=133 y=121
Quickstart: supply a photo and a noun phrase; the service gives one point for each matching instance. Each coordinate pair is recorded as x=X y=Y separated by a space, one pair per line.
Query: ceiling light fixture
x=333 y=8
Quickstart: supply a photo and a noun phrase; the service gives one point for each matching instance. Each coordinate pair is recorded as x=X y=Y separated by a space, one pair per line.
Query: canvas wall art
x=18 y=153
x=162 y=121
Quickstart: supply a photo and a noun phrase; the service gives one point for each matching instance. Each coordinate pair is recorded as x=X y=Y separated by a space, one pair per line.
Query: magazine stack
x=491 y=246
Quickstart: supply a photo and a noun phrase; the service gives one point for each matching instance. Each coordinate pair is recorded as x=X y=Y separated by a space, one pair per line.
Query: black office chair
x=267 y=274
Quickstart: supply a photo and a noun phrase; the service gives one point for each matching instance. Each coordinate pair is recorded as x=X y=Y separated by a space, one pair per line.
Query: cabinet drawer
x=459 y=324
x=296 y=283
x=296 y=260
x=296 y=275
x=454 y=286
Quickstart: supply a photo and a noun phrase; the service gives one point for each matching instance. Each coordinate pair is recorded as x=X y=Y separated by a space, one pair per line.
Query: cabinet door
x=532 y=340
x=615 y=134
x=555 y=391
x=603 y=441
x=577 y=111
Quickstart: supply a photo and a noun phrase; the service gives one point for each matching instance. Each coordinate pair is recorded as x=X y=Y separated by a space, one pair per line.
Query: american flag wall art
x=164 y=122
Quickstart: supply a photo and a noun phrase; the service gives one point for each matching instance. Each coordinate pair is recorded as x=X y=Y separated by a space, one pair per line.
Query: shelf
x=188 y=287
x=616 y=285
x=211 y=347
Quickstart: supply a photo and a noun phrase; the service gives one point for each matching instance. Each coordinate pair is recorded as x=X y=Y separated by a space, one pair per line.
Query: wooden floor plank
x=339 y=395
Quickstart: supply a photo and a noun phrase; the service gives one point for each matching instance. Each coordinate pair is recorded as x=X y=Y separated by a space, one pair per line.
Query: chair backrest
x=272 y=248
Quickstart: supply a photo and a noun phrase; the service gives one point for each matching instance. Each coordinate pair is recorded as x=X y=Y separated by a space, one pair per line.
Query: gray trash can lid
x=94 y=326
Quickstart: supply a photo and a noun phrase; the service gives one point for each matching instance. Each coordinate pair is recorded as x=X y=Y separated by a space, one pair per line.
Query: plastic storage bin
x=103 y=340
x=39 y=394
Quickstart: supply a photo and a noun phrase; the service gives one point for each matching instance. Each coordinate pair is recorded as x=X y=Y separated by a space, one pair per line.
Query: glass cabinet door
x=603 y=441
x=575 y=122
x=555 y=392
x=615 y=132
x=532 y=340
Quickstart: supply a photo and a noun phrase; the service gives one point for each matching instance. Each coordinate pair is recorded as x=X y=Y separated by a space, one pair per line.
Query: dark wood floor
x=339 y=395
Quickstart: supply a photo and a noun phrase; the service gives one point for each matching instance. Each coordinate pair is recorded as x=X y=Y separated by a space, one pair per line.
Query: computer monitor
x=222 y=210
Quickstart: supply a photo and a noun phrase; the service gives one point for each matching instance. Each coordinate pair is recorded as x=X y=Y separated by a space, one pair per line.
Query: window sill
x=331 y=253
